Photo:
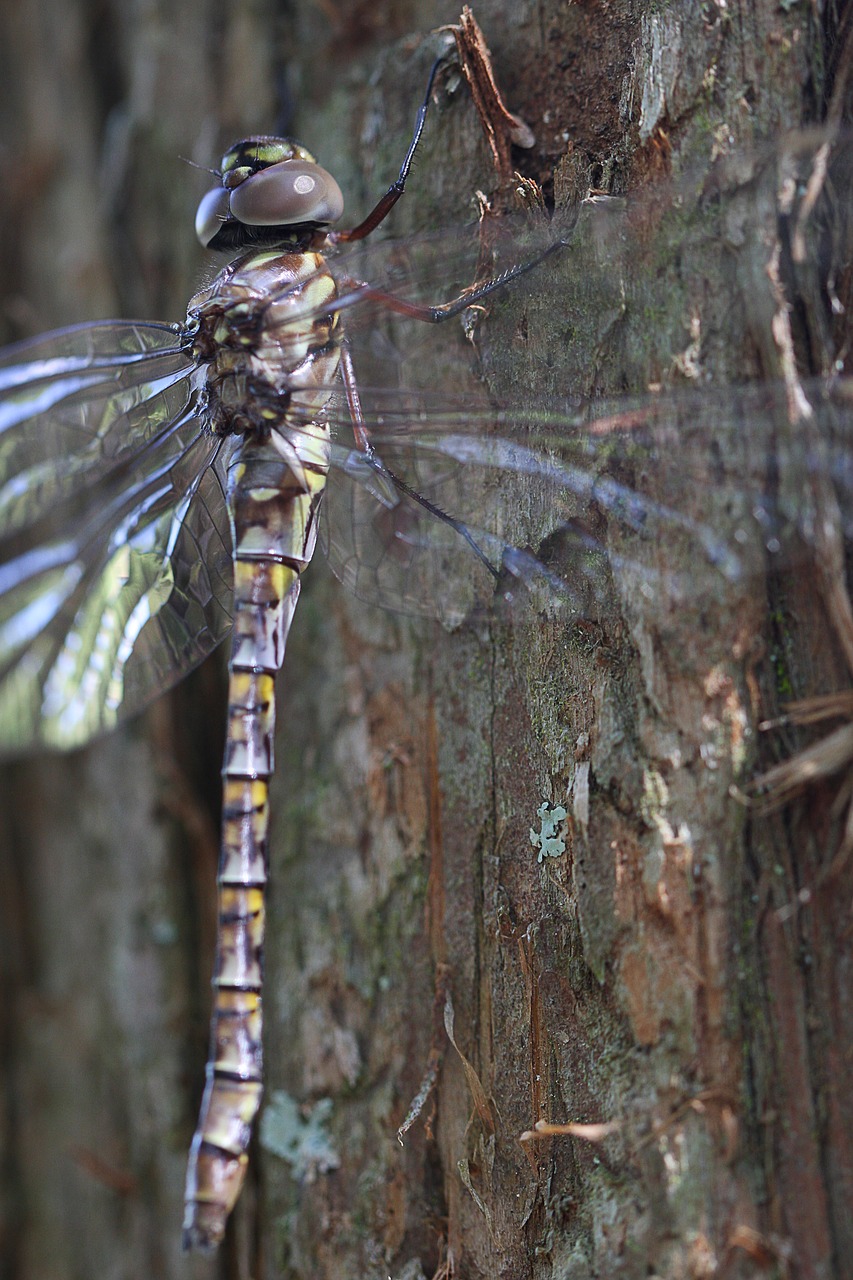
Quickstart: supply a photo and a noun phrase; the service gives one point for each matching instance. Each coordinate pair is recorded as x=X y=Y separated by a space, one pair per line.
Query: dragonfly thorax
x=267 y=342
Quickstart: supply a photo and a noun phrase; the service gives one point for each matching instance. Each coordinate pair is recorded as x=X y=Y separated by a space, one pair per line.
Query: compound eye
x=287 y=194
x=213 y=211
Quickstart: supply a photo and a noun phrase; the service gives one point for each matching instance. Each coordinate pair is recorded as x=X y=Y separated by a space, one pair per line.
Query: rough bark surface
x=682 y=971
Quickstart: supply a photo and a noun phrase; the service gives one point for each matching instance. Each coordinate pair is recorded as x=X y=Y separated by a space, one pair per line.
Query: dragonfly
x=163 y=486
x=160 y=487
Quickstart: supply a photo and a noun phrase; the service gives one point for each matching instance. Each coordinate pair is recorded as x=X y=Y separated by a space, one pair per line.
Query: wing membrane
x=115 y=540
x=691 y=494
x=511 y=478
x=69 y=399
x=114 y=535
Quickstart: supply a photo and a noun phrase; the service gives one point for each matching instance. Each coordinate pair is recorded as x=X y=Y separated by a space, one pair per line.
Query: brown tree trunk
x=679 y=973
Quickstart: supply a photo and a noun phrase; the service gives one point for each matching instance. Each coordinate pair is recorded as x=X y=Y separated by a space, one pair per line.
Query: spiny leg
x=357 y=292
x=361 y=434
x=384 y=206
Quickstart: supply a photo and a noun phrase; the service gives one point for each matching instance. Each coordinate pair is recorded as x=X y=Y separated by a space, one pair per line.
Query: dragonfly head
x=271 y=190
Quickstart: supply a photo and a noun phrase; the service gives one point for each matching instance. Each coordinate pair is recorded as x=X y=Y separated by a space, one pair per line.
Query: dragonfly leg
x=383 y=207
x=355 y=292
x=359 y=430
x=361 y=434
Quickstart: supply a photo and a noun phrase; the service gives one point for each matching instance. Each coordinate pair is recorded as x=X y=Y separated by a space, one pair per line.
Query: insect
x=194 y=461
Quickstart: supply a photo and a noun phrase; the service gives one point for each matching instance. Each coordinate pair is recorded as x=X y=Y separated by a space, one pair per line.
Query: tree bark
x=679 y=973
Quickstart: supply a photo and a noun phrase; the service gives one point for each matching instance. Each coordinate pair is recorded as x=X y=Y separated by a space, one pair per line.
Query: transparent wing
x=394 y=350
x=114 y=533
x=686 y=495
x=556 y=496
x=116 y=574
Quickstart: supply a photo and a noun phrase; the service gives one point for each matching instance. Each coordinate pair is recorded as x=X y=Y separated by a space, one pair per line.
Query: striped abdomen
x=275 y=486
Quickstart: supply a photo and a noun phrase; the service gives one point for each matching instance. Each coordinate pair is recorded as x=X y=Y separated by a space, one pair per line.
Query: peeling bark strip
x=503 y=130
x=682 y=942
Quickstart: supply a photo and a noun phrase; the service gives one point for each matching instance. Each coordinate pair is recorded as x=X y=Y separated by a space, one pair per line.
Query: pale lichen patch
x=546 y=839
x=299 y=1136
